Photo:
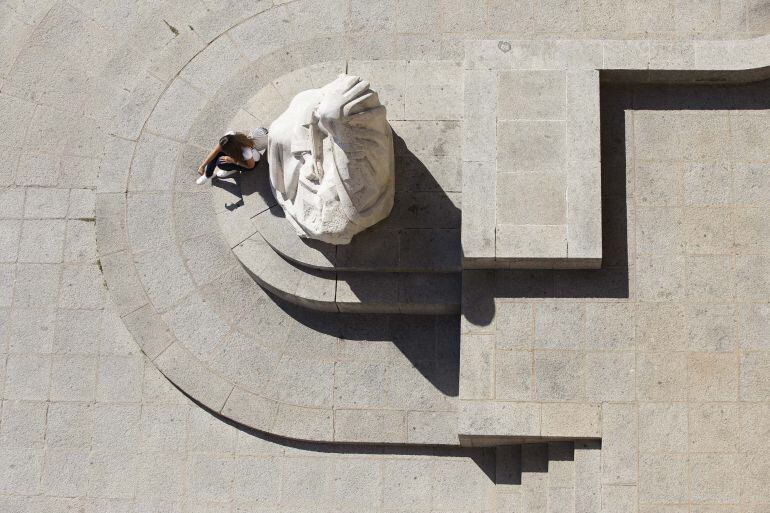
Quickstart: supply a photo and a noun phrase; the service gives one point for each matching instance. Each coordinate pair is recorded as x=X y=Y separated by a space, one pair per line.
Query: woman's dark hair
x=232 y=145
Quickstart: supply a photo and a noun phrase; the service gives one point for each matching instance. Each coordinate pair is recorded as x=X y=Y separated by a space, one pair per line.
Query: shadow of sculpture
x=612 y=280
x=422 y=231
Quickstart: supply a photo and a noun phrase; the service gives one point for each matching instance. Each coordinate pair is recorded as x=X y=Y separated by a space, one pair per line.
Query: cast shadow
x=430 y=343
x=612 y=280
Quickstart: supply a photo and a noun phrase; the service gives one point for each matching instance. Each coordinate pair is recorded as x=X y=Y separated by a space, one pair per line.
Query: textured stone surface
x=85 y=78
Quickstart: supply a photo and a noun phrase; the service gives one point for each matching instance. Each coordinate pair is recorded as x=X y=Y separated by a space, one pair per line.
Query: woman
x=235 y=152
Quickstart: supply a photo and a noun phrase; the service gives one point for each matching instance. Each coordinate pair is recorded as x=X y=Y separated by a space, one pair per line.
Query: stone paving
x=672 y=341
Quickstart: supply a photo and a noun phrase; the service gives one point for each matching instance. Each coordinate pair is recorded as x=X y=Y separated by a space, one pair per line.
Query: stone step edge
x=387 y=293
x=485 y=422
x=277 y=232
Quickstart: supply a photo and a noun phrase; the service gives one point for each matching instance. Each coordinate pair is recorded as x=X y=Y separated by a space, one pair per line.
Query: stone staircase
x=307 y=273
x=552 y=477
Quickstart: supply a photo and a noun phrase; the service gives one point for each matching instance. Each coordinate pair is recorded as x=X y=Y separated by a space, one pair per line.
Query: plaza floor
x=113 y=265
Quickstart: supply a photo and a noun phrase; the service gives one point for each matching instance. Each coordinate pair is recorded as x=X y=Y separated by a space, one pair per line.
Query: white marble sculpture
x=331 y=161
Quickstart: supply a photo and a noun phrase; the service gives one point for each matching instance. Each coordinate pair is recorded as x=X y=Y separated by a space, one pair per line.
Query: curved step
x=407 y=293
x=381 y=248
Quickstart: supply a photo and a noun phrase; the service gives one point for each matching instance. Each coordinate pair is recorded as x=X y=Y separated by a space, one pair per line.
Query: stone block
x=281 y=237
x=610 y=376
x=153 y=164
x=584 y=210
x=441 y=91
x=436 y=250
x=531 y=146
x=531 y=95
x=479 y=125
x=478 y=305
x=479 y=213
x=193 y=215
x=660 y=278
x=407 y=482
x=115 y=426
x=663 y=427
x=432 y=427
x=381 y=426
x=711 y=327
x=713 y=377
x=176 y=111
x=513 y=375
x=429 y=173
x=46 y=203
x=515 y=192
x=250 y=409
x=361 y=385
x=437 y=293
x=661 y=327
x=610 y=326
x=582 y=114
x=712 y=427
x=149 y=220
x=559 y=375
x=258 y=479
x=164 y=276
x=374 y=249
x=304 y=423
x=24 y=425
x=752 y=277
x=42 y=241
x=477 y=366
x=73 y=378
x=195 y=325
x=369 y=291
x=111 y=234
x=751 y=232
x=82 y=286
x=80 y=245
x=513 y=325
x=315 y=389
x=27 y=377
x=194 y=377
x=207 y=257
x=657 y=184
x=715 y=478
x=559 y=326
x=577 y=54
x=463 y=483
x=428 y=137
x=496 y=418
x=119 y=379
x=123 y=283
x=574 y=420
x=588 y=468
x=661 y=376
x=626 y=54
x=619 y=450
x=36 y=285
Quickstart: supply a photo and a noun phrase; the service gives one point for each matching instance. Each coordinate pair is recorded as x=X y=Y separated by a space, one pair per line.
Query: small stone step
x=379 y=249
x=534 y=478
x=407 y=293
x=561 y=477
x=588 y=476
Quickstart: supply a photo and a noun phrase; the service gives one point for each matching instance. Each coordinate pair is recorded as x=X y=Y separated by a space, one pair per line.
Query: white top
x=248 y=153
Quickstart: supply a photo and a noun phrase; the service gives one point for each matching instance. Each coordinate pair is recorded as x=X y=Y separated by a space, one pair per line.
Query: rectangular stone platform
x=531 y=159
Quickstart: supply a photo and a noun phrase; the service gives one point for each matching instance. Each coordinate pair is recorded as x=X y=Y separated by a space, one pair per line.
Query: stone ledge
x=407 y=293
